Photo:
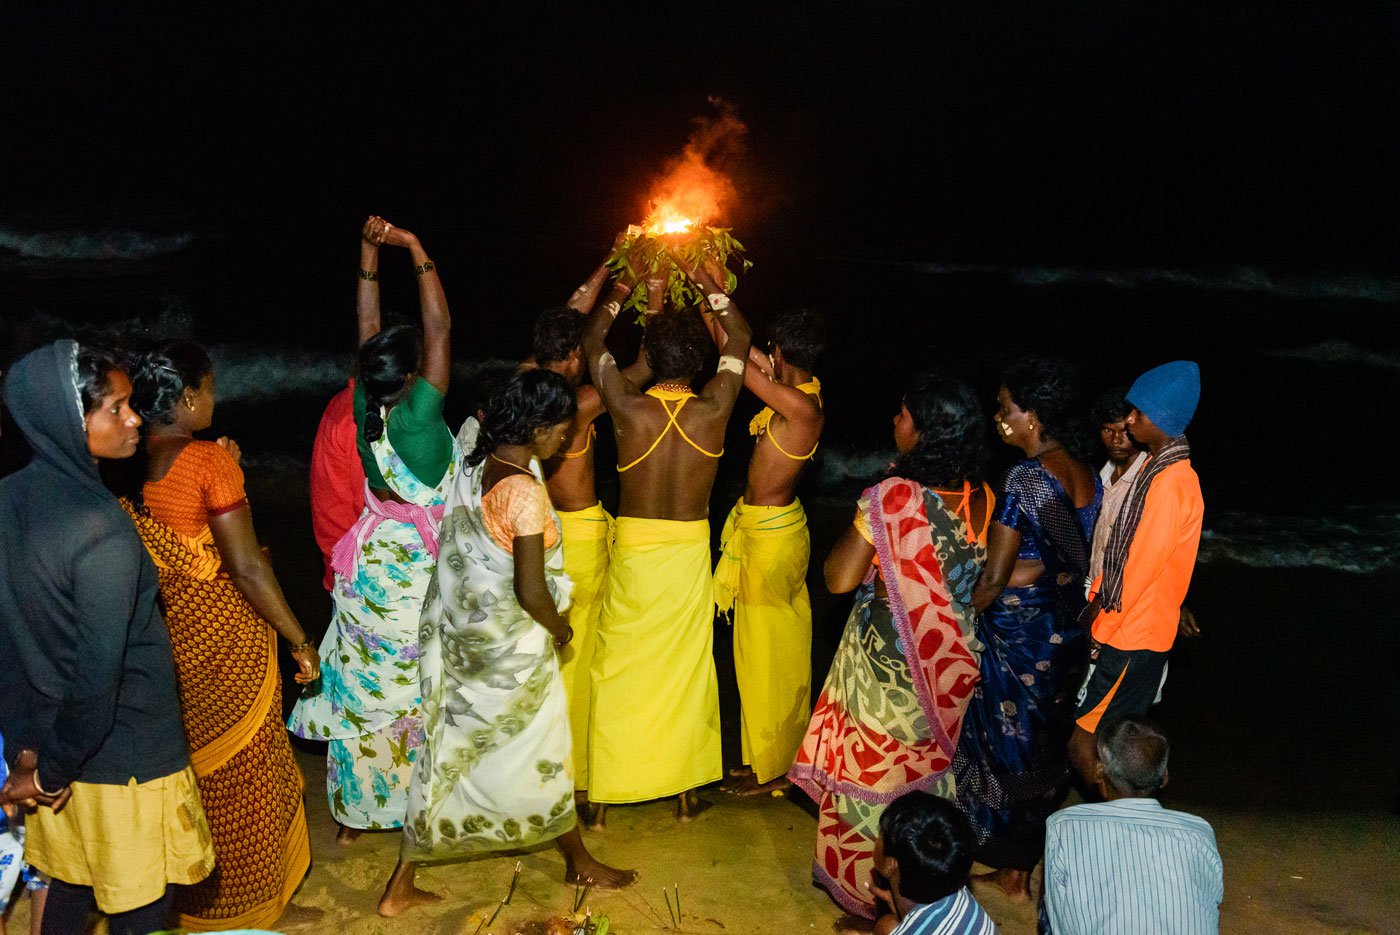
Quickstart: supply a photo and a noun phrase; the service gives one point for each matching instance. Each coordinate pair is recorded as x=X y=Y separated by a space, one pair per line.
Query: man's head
x=676 y=343
x=797 y=340
x=1109 y=414
x=557 y=335
x=924 y=848
x=1167 y=396
x=1132 y=759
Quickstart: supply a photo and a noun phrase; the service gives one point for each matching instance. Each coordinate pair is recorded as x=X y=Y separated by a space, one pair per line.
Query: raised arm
x=367 y=293
x=723 y=388
x=612 y=383
x=587 y=295
x=432 y=302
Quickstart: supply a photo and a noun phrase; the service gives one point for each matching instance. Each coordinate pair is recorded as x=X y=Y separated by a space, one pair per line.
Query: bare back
x=674 y=480
x=570 y=475
x=780 y=454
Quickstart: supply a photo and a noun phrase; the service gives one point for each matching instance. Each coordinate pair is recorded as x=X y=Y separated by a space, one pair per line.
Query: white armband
x=607 y=360
x=613 y=307
x=731 y=363
x=718 y=301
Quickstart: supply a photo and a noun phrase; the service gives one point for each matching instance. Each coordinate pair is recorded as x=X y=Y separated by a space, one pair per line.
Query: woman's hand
x=21 y=789
x=232 y=448
x=374 y=230
x=563 y=633
x=308 y=661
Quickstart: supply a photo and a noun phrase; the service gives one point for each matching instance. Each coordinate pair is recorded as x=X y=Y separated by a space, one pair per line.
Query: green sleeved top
x=416 y=431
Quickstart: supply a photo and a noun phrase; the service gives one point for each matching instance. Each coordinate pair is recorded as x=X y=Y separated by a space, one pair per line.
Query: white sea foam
x=1359 y=539
x=1340 y=352
x=92 y=245
x=1236 y=279
x=249 y=373
x=838 y=468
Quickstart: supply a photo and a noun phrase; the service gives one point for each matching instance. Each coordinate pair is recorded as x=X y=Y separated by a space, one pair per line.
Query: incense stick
x=588 y=885
x=496 y=913
x=515 y=878
x=678 y=900
x=666 y=894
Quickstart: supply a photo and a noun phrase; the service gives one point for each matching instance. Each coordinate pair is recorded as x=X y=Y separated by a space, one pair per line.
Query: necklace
x=1041 y=454
x=673 y=387
x=518 y=467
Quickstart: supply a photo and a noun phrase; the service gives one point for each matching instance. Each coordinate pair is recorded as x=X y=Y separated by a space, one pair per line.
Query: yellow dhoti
x=762 y=576
x=655 y=724
x=587 y=536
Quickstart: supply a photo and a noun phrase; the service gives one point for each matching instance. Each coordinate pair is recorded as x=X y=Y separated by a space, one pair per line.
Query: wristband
x=301 y=647
x=369 y=275
x=426 y=266
x=718 y=301
x=730 y=363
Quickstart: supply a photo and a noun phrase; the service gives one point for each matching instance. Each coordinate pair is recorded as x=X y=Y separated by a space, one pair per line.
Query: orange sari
x=231 y=695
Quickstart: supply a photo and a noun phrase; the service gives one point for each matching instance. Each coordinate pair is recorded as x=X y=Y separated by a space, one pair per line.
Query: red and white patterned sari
x=888 y=718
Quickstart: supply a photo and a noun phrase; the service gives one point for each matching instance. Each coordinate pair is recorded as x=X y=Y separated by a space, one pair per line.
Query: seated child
x=922 y=860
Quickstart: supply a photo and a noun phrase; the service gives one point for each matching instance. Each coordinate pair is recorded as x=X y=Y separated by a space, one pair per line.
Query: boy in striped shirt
x=922 y=860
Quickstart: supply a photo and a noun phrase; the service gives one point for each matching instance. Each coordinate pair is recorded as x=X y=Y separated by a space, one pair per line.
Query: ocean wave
x=1359 y=539
x=92 y=245
x=1339 y=352
x=1237 y=279
x=254 y=373
x=839 y=469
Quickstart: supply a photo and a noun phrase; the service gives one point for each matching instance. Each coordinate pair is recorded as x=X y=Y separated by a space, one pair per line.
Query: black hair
x=530 y=401
x=801 y=334
x=161 y=374
x=931 y=841
x=676 y=343
x=95 y=368
x=1134 y=753
x=1111 y=406
x=385 y=362
x=557 y=334
x=952 y=445
x=1051 y=387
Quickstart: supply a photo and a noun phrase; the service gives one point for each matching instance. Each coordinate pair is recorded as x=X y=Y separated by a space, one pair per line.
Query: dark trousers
x=68 y=906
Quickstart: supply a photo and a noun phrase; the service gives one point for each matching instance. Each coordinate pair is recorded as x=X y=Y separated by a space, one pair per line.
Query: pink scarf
x=426 y=520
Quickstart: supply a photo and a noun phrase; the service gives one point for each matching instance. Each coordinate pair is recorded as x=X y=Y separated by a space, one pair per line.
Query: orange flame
x=694 y=189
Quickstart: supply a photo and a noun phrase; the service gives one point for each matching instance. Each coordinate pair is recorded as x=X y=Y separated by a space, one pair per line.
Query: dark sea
x=1298 y=570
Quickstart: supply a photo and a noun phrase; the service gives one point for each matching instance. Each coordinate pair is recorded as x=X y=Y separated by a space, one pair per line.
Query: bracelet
x=425 y=267
x=301 y=647
x=369 y=275
x=42 y=790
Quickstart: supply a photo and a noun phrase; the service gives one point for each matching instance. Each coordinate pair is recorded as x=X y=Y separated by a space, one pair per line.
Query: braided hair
x=952 y=445
x=531 y=401
x=385 y=362
x=160 y=375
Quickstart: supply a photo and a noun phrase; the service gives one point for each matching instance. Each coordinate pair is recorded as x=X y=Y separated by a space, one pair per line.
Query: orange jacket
x=1160 y=560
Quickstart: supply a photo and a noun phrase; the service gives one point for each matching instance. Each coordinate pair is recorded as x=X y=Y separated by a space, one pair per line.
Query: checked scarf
x=1116 y=555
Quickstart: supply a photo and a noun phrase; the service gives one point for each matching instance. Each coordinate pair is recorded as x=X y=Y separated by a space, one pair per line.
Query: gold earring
x=189 y=404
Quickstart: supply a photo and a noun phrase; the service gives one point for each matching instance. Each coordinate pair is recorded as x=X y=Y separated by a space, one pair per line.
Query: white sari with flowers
x=367 y=707
x=494 y=770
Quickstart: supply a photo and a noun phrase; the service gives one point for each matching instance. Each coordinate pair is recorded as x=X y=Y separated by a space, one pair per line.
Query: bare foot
x=689 y=805
x=401 y=895
x=347 y=836
x=1016 y=884
x=751 y=786
x=589 y=871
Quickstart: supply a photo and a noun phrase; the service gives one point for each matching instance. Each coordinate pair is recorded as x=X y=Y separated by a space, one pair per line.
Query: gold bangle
x=425 y=267
x=369 y=275
x=301 y=647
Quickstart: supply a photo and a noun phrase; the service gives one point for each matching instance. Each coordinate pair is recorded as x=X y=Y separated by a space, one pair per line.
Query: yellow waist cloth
x=762 y=576
x=655 y=698
x=126 y=842
x=588 y=536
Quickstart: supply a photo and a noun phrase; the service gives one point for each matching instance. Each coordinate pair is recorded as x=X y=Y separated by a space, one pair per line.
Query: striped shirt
x=958 y=914
x=1131 y=866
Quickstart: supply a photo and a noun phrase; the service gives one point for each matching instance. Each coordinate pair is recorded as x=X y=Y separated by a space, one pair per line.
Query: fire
x=694 y=190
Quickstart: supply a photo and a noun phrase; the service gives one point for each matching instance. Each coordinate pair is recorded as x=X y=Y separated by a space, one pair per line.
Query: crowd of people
x=506 y=659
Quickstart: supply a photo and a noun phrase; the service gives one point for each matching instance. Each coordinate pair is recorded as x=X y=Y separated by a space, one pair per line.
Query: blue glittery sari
x=1012 y=764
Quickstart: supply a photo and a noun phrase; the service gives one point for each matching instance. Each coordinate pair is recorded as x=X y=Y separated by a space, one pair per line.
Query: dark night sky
x=1097 y=132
